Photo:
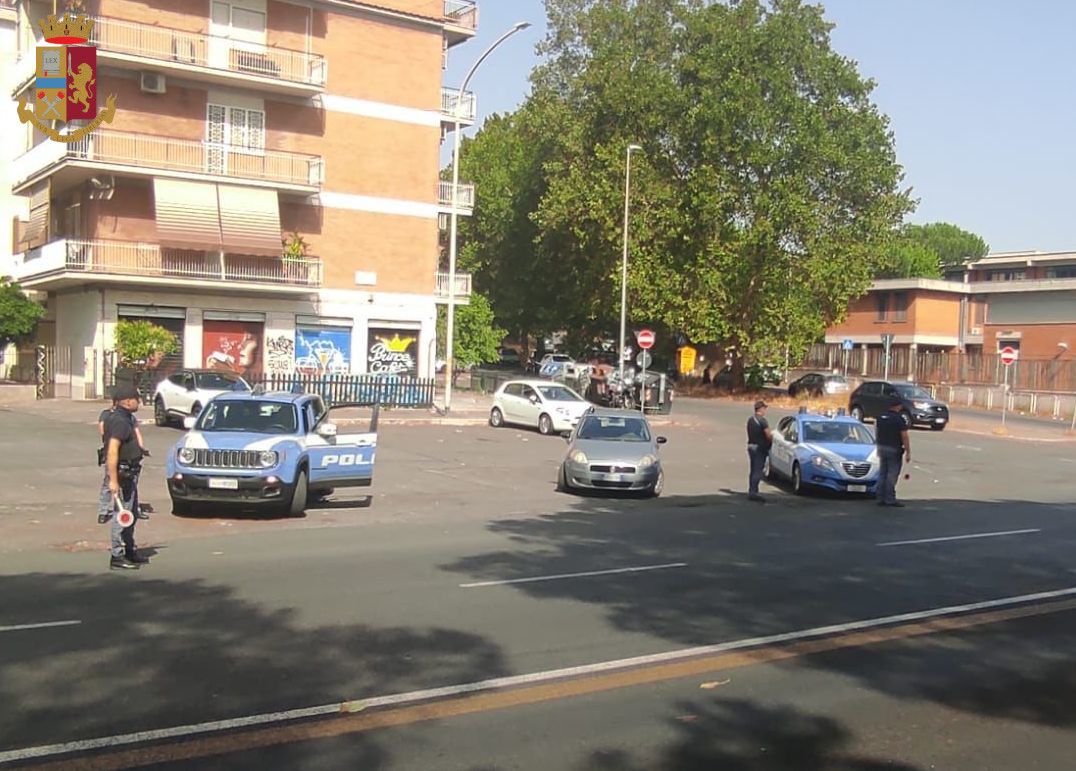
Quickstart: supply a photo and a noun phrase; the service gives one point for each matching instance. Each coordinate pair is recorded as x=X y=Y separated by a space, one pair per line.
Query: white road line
x=960 y=537
x=574 y=575
x=498 y=683
x=45 y=625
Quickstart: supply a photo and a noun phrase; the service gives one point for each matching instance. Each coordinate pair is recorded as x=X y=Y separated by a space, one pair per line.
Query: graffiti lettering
x=281 y=353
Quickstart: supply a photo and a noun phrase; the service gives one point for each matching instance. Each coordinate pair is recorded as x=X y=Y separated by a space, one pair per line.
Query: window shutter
x=215 y=119
x=255 y=129
x=237 y=127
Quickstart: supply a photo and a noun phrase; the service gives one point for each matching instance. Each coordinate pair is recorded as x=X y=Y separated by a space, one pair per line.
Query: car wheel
x=659 y=485
x=563 y=485
x=160 y=414
x=767 y=470
x=298 y=497
x=797 y=480
x=545 y=425
x=907 y=418
x=857 y=413
x=496 y=417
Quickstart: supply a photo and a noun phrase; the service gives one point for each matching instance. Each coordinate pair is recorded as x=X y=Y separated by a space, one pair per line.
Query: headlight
x=268 y=458
x=186 y=456
x=578 y=457
x=646 y=461
x=821 y=462
x=921 y=405
x=563 y=411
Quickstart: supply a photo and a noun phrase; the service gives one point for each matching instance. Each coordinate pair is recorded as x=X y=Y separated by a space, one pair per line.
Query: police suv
x=272 y=450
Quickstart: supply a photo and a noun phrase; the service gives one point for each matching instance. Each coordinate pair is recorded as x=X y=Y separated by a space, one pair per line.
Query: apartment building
x=268 y=189
x=1022 y=300
x=11 y=206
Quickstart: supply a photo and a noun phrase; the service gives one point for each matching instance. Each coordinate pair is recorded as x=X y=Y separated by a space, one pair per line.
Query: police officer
x=759 y=441
x=123 y=463
x=894 y=448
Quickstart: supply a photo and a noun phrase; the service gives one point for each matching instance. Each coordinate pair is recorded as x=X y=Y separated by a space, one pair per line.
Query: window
x=235 y=127
x=1005 y=275
x=1065 y=271
x=899 y=306
x=248 y=20
x=882 y=299
x=515 y=389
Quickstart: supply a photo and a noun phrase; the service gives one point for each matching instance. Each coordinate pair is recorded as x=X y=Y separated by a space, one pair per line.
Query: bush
x=141 y=344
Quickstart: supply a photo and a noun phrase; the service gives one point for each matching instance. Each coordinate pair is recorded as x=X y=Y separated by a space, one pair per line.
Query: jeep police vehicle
x=272 y=450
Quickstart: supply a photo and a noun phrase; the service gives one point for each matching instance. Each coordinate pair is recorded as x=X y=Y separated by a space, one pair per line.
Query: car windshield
x=615 y=429
x=559 y=394
x=560 y=357
x=220 y=381
x=912 y=392
x=257 y=417
x=836 y=432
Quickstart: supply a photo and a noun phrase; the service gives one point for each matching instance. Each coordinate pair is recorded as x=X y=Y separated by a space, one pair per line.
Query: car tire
x=797 y=480
x=857 y=412
x=496 y=417
x=160 y=414
x=767 y=470
x=563 y=485
x=297 y=505
x=545 y=424
x=658 y=486
x=907 y=418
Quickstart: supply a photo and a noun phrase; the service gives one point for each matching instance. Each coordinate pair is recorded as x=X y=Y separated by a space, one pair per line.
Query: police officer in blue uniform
x=123 y=463
x=894 y=449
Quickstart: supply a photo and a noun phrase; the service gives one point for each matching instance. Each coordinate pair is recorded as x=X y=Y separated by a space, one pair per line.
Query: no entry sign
x=1008 y=355
x=645 y=337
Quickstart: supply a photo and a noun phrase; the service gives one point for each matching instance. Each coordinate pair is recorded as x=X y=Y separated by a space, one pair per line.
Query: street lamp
x=454 y=217
x=624 y=260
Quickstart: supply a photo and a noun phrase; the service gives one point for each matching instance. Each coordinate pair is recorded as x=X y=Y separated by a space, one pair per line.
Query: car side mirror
x=327 y=430
x=533 y=399
x=662 y=440
x=567 y=435
x=189 y=421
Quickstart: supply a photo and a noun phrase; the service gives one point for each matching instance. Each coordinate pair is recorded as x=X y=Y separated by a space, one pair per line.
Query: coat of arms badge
x=65 y=88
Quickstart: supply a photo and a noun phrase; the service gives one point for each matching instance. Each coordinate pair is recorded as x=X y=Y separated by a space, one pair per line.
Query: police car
x=272 y=450
x=832 y=451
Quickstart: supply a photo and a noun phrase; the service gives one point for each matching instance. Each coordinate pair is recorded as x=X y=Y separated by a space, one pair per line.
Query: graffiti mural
x=233 y=346
x=280 y=354
x=323 y=351
x=392 y=352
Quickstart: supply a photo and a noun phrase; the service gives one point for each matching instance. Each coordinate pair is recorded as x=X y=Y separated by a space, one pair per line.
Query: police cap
x=124 y=391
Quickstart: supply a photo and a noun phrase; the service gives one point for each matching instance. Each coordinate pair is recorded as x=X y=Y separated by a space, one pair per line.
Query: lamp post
x=454 y=217
x=624 y=260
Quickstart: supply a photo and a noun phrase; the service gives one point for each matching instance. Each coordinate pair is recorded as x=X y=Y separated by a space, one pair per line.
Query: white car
x=552 y=408
x=185 y=393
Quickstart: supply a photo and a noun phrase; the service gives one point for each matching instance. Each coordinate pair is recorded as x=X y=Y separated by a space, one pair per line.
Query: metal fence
x=18 y=365
x=948 y=368
x=357 y=389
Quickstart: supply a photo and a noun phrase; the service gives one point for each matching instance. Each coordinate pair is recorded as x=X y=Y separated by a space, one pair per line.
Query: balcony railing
x=462 y=13
x=210 y=51
x=123 y=258
x=468 y=106
x=463 y=285
x=466 y=195
x=183 y=155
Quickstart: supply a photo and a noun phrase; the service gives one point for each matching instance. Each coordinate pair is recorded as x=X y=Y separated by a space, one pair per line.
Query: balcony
x=148 y=155
x=463 y=288
x=465 y=197
x=468 y=108
x=461 y=21
x=71 y=262
x=208 y=58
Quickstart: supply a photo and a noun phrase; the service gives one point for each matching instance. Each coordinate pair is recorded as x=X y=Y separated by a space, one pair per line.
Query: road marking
x=961 y=537
x=969 y=447
x=559 y=576
x=497 y=693
x=45 y=625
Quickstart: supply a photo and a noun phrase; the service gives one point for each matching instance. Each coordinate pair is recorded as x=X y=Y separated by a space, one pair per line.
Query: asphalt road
x=467 y=566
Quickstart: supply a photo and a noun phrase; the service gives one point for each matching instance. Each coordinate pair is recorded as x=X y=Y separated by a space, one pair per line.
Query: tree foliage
x=760 y=205
x=927 y=251
x=142 y=343
x=476 y=336
x=18 y=313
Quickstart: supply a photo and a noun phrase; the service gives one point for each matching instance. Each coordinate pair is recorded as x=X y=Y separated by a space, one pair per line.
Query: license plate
x=939 y=420
x=857 y=488
x=224 y=484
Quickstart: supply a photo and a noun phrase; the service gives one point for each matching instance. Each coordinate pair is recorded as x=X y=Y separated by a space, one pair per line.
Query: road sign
x=1008 y=355
x=887 y=339
x=847 y=344
x=645 y=338
x=644 y=359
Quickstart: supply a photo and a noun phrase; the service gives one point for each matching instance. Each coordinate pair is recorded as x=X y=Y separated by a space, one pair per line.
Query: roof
x=1003 y=259
x=535 y=383
x=614 y=412
x=820 y=416
x=280 y=397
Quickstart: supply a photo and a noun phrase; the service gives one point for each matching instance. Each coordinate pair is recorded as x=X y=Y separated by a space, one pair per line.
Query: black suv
x=918 y=407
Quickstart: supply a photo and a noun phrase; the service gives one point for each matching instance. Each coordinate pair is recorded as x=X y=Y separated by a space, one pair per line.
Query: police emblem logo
x=65 y=88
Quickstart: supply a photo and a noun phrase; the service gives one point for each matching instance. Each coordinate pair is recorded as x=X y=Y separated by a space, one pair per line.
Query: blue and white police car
x=273 y=450
x=831 y=451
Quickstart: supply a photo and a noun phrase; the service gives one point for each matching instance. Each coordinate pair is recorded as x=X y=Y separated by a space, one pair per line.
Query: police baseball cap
x=124 y=391
x=760 y=404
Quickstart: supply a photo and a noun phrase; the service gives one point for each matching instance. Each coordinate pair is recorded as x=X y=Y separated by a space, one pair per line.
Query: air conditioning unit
x=153 y=83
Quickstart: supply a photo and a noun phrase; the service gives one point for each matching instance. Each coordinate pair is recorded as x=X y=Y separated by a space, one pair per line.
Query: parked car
x=818 y=384
x=275 y=451
x=553 y=364
x=509 y=357
x=549 y=407
x=187 y=391
x=824 y=451
x=755 y=376
x=612 y=450
x=540 y=362
x=918 y=407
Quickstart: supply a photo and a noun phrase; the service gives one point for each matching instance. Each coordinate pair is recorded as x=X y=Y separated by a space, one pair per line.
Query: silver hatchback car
x=612 y=450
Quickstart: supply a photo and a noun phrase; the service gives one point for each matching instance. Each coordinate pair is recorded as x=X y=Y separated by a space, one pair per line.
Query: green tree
x=141 y=343
x=476 y=337
x=953 y=245
x=907 y=258
x=18 y=313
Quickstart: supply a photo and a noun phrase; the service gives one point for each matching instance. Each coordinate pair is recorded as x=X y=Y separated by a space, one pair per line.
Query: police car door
x=337 y=460
x=782 y=451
